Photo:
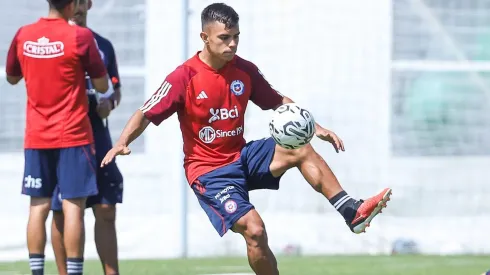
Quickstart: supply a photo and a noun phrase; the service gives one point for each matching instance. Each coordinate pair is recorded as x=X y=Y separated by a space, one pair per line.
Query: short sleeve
x=12 y=67
x=89 y=54
x=263 y=95
x=169 y=97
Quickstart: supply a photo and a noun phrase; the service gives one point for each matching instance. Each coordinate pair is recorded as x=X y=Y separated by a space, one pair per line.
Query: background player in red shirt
x=52 y=57
x=109 y=178
x=210 y=93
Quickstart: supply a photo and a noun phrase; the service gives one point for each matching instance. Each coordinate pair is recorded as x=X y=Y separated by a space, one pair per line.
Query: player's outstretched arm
x=321 y=132
x=266 y=97
x=167 y=99
x=133 y=129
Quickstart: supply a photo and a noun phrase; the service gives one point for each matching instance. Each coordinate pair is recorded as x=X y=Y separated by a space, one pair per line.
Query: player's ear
x=89 y=4
x=205 y=37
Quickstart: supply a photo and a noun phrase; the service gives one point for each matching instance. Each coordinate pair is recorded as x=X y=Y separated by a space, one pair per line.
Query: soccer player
x=210 y=93
x=53 y=57
x=109 y=178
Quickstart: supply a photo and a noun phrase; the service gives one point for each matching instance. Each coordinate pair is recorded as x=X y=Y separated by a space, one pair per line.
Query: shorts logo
x=30 y=182
x=237 y=87
x=207 y=134
x=223 y=195
x=230 y=206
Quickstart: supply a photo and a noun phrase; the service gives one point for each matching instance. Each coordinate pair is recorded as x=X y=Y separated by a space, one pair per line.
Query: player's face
x=80 y=16
x=221 y=41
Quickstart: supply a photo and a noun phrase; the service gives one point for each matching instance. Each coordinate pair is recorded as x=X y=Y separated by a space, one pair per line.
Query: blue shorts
x=223 y=193
x=109 y=183
x=71 y=169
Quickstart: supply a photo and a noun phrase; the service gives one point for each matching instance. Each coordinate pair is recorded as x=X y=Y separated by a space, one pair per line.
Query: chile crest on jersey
x=220 y=106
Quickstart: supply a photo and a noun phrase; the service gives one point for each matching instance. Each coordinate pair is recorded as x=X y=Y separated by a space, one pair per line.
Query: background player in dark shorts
x=210 y=92
x=109 y=178
x=58 y=136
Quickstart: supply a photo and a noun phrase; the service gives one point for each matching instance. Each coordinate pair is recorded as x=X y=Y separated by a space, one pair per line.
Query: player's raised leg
x=357 y=213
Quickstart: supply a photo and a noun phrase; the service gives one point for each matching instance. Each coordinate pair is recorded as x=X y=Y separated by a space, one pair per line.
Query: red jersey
x=53 y=57
x=211 y=108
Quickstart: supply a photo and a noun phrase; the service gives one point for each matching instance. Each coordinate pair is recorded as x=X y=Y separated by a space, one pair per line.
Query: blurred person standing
x=52 y=57
x=109 y=178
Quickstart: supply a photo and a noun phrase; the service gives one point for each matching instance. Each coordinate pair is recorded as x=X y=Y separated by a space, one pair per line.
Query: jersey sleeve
x=168 y=98
x=89 y=54
x=263 y=95
x=112 y=68
x=12 y=67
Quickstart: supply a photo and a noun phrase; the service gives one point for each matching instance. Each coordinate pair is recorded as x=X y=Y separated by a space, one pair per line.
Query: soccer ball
x=291 y=126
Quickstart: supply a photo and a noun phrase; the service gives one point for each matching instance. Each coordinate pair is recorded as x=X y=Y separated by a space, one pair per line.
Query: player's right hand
x=118 y=150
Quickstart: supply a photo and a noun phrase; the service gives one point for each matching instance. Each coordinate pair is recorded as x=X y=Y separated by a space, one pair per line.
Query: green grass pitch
x=320 y=265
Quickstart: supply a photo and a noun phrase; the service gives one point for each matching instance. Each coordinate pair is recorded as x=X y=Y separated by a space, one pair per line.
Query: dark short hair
x=219 y=12
x=59 y=4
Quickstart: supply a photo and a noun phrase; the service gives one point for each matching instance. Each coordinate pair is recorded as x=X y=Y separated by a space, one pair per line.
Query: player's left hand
x=104 y=108
x=331 y=137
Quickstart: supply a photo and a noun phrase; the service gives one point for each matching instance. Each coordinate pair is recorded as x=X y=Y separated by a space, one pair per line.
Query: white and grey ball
x=291 y=126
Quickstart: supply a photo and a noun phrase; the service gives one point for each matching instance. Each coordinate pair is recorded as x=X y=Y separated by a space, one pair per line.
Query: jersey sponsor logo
x=157 y=97
x=43 y=48
x=31 y=182
x=207 y=134
x=230 y=206
x=237 y=87
x=223 y=114
x=202 y=95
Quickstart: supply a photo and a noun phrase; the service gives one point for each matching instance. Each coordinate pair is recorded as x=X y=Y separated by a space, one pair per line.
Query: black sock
x=36 y=261
x=345 y=205
x=74 y=266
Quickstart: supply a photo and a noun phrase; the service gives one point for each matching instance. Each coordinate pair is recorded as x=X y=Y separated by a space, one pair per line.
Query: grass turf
x=320 y=265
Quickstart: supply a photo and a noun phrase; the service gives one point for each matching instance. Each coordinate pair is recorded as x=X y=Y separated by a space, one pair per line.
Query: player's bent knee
x=295 y=156
x=105 y=213
x=303 y=152
x=255 y=235
x=252 y=228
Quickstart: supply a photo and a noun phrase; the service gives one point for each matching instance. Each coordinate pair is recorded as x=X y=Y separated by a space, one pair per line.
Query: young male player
x=53 y=57
x=109 y=178
x=220 y=166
